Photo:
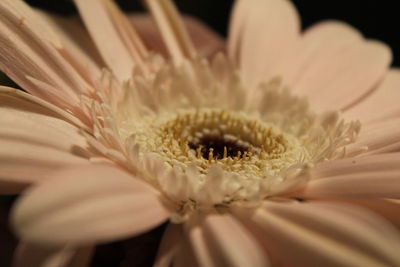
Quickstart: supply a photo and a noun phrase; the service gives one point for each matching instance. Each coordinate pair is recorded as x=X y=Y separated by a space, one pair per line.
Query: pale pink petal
x=261 y=33
x=221 y=240
x=114 y=36
x=30 y=48
x=206 y=42
x=172 y=29
x=381 y=103
x=354 y=165
x=34 y=141
x=390 y=210
x=185 y=255
x=39 y=256
x=378 y=184
x=88 y=205
x=335 y=67
x=169 y=246
x=324 y=234
x=379 y=137
x=81 y=53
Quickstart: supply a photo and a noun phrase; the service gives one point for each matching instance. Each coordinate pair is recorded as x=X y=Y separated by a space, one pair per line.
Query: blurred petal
x=206 y=42
x=381 y=103
x=34 y=141
x=336 y=67
x=172 y=29
x=325 y=234
x=390 y=210
x=38 y=256
x=169 y=246
x=88 y=205
x=220 y=240
x=261 y=33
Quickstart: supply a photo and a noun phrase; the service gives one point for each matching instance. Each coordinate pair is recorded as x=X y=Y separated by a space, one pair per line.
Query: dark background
x=376 y=19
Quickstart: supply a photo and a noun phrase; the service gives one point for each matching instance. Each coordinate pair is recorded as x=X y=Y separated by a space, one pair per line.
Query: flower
x=239 y=152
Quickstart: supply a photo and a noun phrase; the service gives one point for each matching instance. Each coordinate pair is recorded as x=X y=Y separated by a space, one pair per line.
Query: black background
x=376 y=19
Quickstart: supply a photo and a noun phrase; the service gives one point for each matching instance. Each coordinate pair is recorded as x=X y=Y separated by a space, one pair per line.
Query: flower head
x=250 y=155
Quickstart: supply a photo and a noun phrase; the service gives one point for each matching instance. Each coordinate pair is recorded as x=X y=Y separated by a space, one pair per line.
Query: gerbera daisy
x=281 y=151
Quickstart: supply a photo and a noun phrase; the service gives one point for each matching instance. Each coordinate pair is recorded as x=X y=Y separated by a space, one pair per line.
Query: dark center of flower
x=218 y=147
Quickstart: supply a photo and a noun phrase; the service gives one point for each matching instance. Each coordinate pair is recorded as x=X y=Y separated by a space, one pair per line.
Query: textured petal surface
x=325 y=234
x=81 y=53
x=88 y=205
x=30 y=48
x=340 y=67
x=354 y=165
x=261 y=34
x=356 y=179
x=381 y=103
x=221 y=240
x=379 y=137
x=37 y=256
x=33 y=141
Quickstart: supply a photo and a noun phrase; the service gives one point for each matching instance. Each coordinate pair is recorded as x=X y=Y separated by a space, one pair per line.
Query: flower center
x=231 y=140
x=219 y=147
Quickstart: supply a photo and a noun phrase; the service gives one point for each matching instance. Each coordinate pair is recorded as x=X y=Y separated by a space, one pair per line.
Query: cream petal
x=325 y=234
x=381 y=103
x=88 y=205
x=379 y=137
x=335 y=67
x=261 y=33
x=221 y=240
x=206 y=41
x=34 y=141
x=30 y=48
x=38 y=256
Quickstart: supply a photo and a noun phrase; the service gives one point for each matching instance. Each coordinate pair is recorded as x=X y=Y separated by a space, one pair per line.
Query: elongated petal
x=206 y=42
x=220 y=240
x=102 y=27
x=88 y=205
x=169 y=246
x=30 y=48
x=325 y=234
x=39 y=256
x=172 y=29
x=81 y=53
x=335 y=67
x=379 y=137
x=354 y=165
x=390 y=210
x=261 y=33
x=381 y=103
x=34 y=141
x=378 y=184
